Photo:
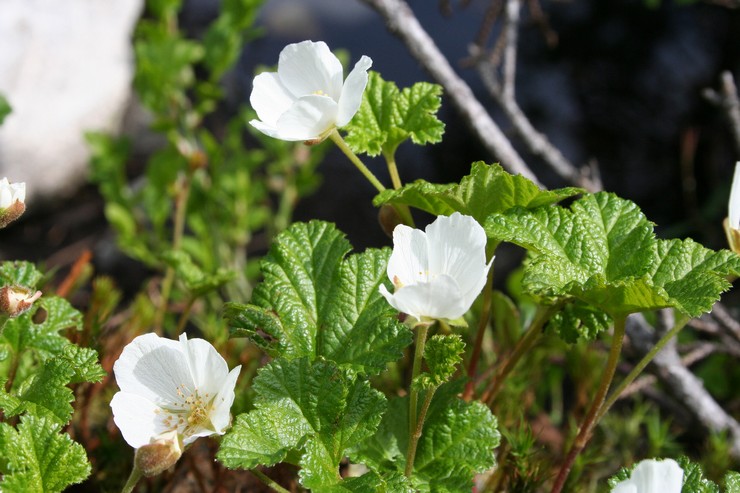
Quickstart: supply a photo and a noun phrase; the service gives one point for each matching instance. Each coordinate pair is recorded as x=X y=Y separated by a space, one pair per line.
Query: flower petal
x=307 y=119
x=457 y=247
x=652 y=476
x=138 y=418
x=408 y=263
x=354 y=86
x=208 y=369
x=221 y=414
x=266 y=129
x=154 y=368
x=439 y=299
x=734 y=206
x=269 y=97
x=310 y=68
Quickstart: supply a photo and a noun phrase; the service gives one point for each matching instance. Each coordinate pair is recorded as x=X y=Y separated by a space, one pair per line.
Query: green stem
x=641 y=366
x=421 y=338
x=181 y=206
x=485 y=315
x=14 y=362
x=588 y=424
x=133 y=478
x=269 y=482
x=339 y=141
x=390 y=159
x=522 y=347
x=184 y=316
x=414 y=441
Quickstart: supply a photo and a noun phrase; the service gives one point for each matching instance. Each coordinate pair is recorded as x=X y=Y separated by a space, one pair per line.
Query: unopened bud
x=12 y=201
x=159 y=455
x=388 y=218
x=733 y=236
x=16 y=300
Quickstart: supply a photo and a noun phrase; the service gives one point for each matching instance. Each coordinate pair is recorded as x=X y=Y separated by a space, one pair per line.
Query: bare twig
x=401 y=20
x=685 y=386
x=727 y=99
x=727 y=322
x=503 y=92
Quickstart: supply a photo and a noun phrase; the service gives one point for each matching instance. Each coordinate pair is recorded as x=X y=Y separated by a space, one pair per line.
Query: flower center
x=192 y=413
x=319 y=92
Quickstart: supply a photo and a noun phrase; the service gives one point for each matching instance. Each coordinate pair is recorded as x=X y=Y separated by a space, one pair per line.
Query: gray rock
x=66 y=69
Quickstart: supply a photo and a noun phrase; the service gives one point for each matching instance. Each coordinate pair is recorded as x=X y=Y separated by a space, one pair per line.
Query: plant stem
x=14 y=362
x=133 y=478
x=414 y=440
x=269 y=482
x=181 y=205
x=390 y=159
x=421 y=337
x=184 y=316
x=485 y=315
x=339 y=141
x=680 y=323
x=522 y=347
x=588 y=424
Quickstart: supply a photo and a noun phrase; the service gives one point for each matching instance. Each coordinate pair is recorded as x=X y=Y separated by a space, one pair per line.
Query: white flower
x=168 y=385
x=11 y=192
x=653 y=476
x=306 y=99
x=438 y=273
x=734 y=205
x=16 y=300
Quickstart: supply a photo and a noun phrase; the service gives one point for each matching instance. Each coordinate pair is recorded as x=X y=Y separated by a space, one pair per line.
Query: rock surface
x=66 y=68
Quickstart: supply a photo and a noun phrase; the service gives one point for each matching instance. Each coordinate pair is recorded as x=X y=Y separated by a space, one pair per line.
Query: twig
x=727 y=99
x=685 y=386
x=503 y=92
x=401 y=20
x=727 y=322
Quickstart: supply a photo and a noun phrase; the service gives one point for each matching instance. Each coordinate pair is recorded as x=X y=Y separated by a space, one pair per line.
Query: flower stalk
x=416 y=422
x=339 y=141
x=588 y=424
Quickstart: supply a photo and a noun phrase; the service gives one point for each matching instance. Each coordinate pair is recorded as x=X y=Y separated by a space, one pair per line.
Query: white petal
x=408 y=263
x=138 y=418
x=310 y=68
x=269 y=97
x=354 y=86
x=439 y=299
x=307 y=119
x=625 y=486
x=19 y=191
x=154 y=368
x=652 y=476
x=221 y=415
x=266 y=129
x=208 y=369
x=457 y=247
x=734 y=206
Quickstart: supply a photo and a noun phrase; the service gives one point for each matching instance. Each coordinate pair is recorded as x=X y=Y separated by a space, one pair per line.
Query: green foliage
x=5 y=108
x=314 y=409
x=39 y=457
x=693 y=478
x=197 y=282
x=488 y=189
x=457 y=441
x=732 y=482
x=225 y=37
x=20 y=274
x=442 y=354
x=602 y=252
x=389 y=116
x=315 y=302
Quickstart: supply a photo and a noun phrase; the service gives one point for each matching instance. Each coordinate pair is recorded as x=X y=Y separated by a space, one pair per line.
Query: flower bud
x=12 y=201
x=389 y=218
x=161 y=454
x=16 y=300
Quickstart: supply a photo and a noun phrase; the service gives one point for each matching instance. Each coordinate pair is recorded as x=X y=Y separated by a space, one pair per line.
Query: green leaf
x=371 y=482
x=314 y=302
x=486 y=190
x=732 y=482
x=5 y=108
x=83 y=363
x=578 y=320
x=19 y=273
x=693 y=478
x=197 y=282
x=22 y=333
x=46 y=393
x=387 y=117
x=457 y=441
x=602 y=251
x=39 y=458
x=442 y=354
x=316 y=408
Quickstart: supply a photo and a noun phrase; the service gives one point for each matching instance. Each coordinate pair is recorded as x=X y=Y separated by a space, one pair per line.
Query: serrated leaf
x=371 y=482
x=314 y=302
x=486 y=190
x=693 y=478
x=83 y=363
x=40 y=458
x=387 y=117
x=458 y=441
x=19 y=273
x=23 y=334
x=314 y=407
x=46 y=392
x=603 y=252
x=442 y=354
x=732 y=482
x=579 y=320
